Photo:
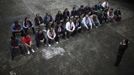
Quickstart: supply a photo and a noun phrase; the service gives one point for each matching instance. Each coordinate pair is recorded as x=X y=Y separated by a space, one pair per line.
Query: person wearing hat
x=122 y=48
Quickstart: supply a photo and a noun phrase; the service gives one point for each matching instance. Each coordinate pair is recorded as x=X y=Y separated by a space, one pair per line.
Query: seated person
x=26 y=40
x=103 y=18
x=58 y=17
x=70 y=28
x=87 y=22
x=117 y=15
x=110 y=15
x=77 y=25
x=51 y=34
x=16 y=28
x=39 y=37
x=60 y=30
x=95 y=21
x=27 y=24
x=15 y=47
x=48 y=18
x=38 y=20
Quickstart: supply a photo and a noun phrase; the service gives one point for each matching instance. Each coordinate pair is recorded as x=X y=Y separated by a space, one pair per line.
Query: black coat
x=37 y=19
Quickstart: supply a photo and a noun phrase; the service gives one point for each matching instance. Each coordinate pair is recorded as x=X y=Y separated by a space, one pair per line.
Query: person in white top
x=87 y=22
x=70 y=27
x=95 y=20
x=105 y=4
x=51 y=34
x=110 y=15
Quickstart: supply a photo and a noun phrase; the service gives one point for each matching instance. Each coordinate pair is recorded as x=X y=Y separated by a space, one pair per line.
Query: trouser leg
x=118 y=60
x=119 y=57
x=57 y=38
x=68 y=34
x=33 y=30
x=12 y=53
x=37 y=42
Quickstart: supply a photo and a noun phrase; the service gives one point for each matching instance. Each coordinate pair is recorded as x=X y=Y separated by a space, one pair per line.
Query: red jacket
x=26 y=40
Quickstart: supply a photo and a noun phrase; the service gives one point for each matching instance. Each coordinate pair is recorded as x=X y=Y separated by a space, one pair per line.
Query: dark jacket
x=37 y=20
x=58 y=18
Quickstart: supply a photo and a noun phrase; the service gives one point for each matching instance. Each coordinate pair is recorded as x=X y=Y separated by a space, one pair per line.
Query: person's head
x=66 y=9
x=37 y=15
x=94 y=16
x=49 y=14
x=51 y=29
x=40 y=31
x=59 y=12
x=74 y=8
x=71 y=20
x=26 y=18
x=118 y=9
x=87 y=16
x=82 y=6
x=16 y=23
x=46 y=13
x=77 y=19
x=125 y=40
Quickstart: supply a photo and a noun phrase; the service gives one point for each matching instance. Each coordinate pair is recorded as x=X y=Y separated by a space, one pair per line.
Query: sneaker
x=57 y=42
x=33 y=50
x=28 y=52
x=49 y=45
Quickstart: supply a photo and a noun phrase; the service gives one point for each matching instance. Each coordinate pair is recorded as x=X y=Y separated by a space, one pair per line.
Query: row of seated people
x=66 y=24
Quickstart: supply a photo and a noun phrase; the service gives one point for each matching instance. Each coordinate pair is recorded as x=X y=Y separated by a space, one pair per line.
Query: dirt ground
x=86 y=53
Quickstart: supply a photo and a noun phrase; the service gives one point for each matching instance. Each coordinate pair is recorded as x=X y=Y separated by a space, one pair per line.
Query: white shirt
x=51 y=35
x=87 y=21
x=110 y=15
x=105 y=4
x=70 y=26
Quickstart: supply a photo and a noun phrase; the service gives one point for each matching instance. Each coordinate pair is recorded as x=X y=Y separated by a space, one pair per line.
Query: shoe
x=57 y=42
x=33 y=50
x=28 y=52
x=49 y=45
